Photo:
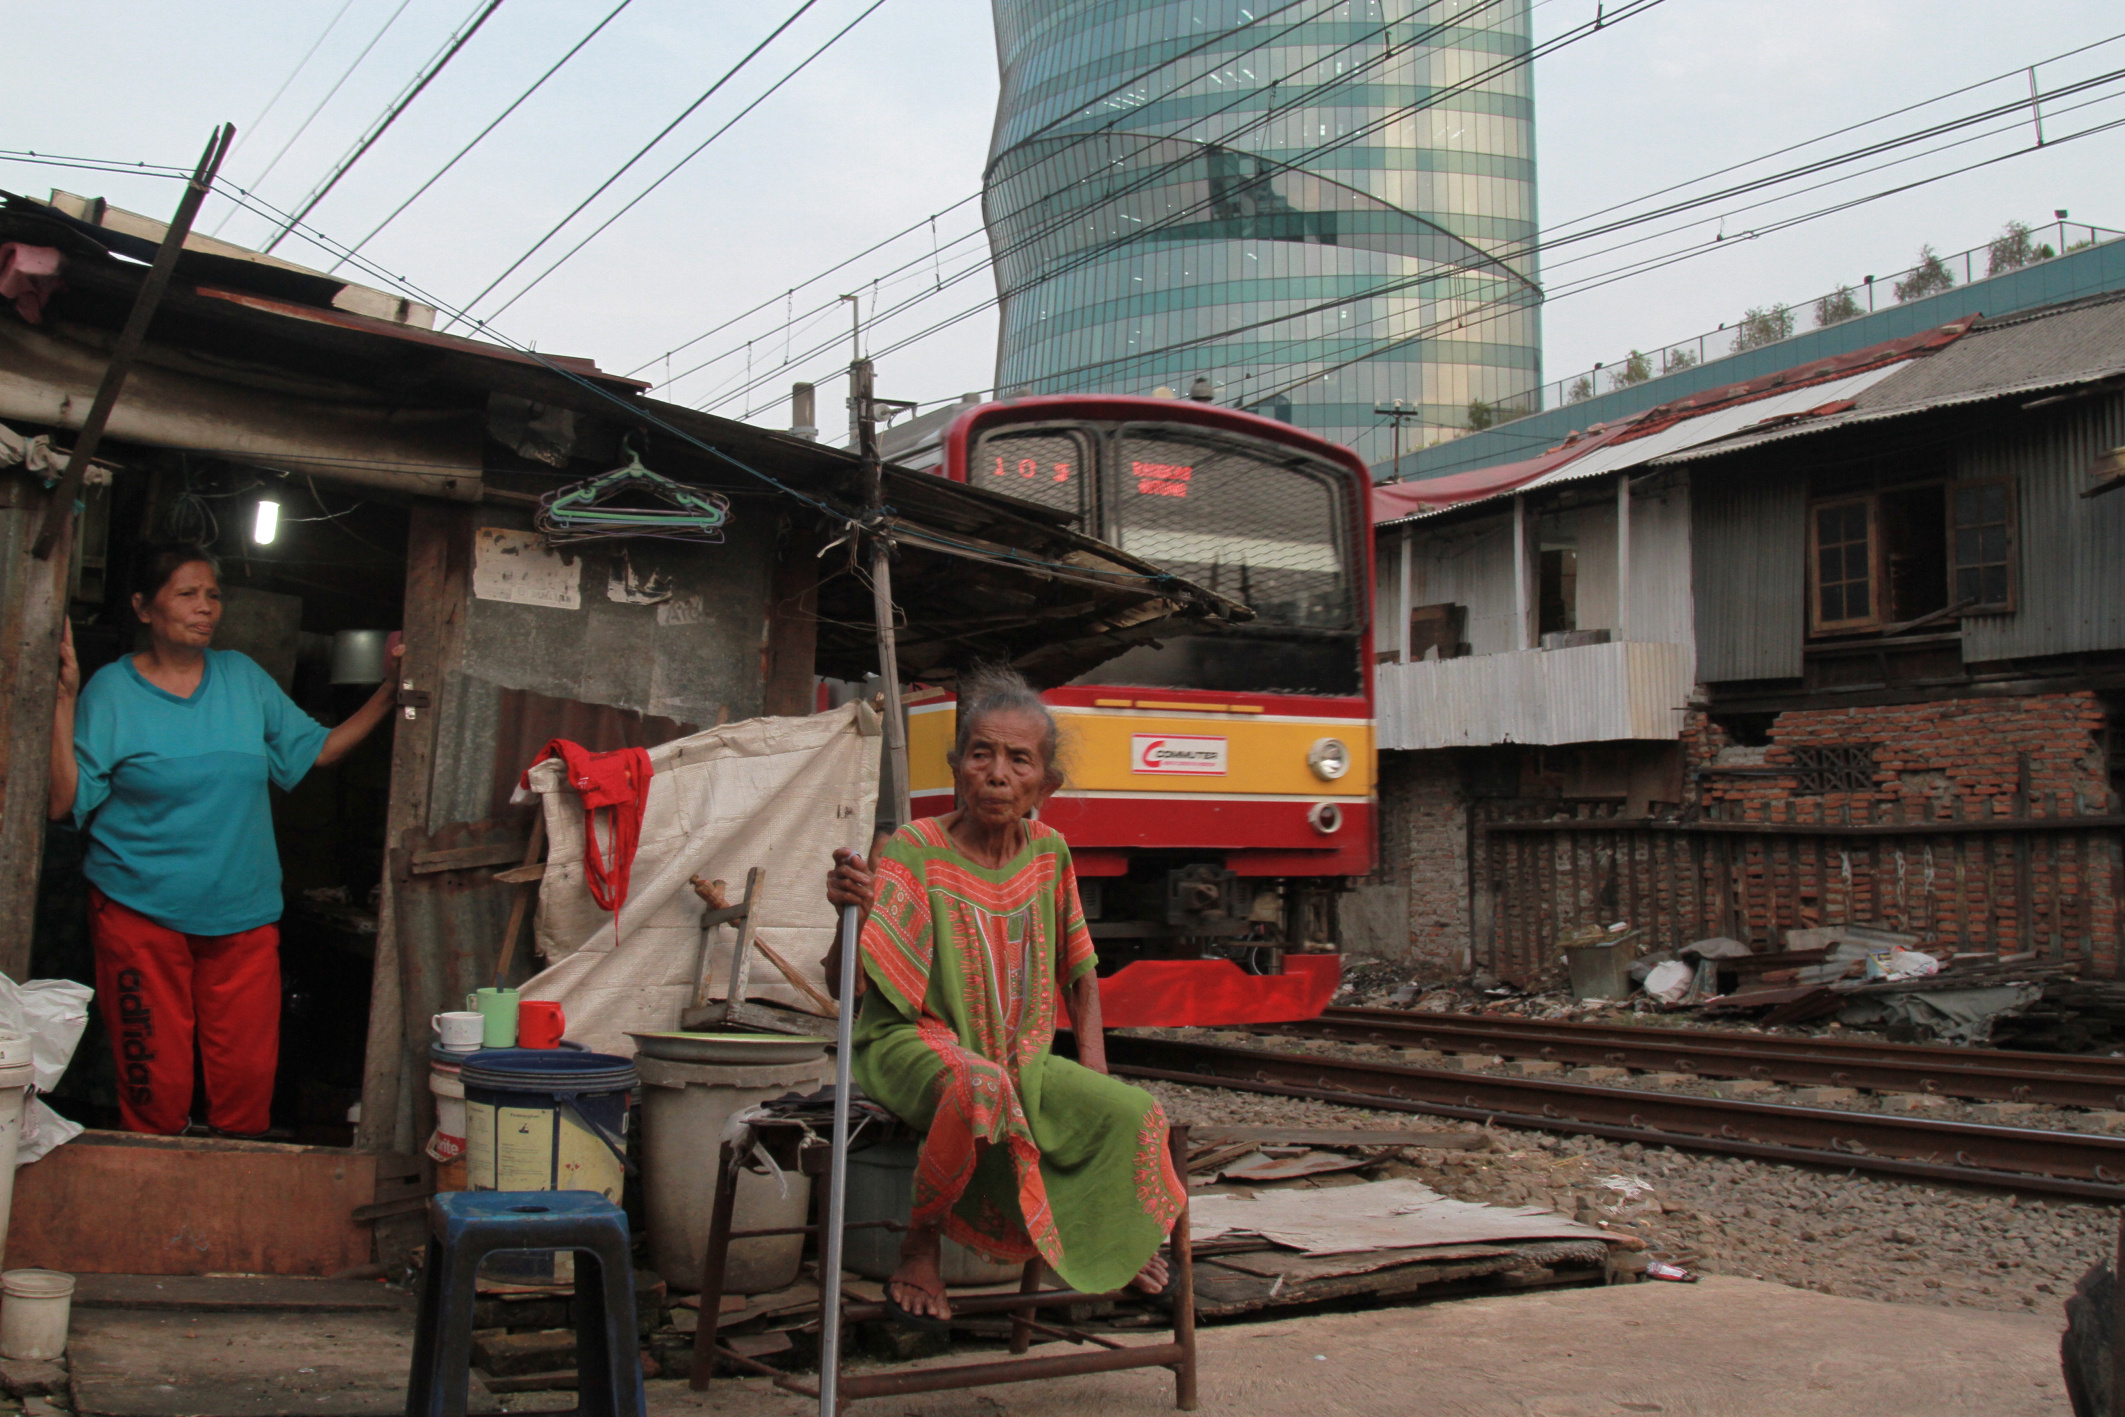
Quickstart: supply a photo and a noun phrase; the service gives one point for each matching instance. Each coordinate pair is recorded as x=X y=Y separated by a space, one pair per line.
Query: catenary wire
x=300 y=65
x=481 y=136
x=2014 y=107
x=976 y=196
x=1310 y=97
x=391 y=114
x=1548 y=243
x=304 y=126
x=1077 y=112
x=670 y=172
x=640 y=153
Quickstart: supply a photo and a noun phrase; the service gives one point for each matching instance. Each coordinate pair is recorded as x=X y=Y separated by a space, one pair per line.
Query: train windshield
x=1255 y=523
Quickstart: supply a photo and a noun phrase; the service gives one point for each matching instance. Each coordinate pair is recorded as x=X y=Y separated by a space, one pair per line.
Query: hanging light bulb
x=267 y=526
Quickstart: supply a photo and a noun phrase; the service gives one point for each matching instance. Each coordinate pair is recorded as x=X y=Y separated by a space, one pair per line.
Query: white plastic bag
x=1669 y=982
x=52 y=1013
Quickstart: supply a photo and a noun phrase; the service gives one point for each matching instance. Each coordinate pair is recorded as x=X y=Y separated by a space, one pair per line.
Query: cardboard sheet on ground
x=779 y=793
x=1381 y=1215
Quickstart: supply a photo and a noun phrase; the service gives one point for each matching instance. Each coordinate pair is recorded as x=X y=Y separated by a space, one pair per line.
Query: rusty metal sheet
x=528 y=721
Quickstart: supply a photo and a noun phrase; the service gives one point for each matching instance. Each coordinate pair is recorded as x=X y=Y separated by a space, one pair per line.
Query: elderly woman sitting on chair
x=972 y=936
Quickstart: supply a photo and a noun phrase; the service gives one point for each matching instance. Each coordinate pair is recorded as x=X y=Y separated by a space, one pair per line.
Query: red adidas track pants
x=159 y=990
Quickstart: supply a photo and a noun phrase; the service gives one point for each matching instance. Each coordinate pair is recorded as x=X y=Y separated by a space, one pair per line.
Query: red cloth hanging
x=616 y=783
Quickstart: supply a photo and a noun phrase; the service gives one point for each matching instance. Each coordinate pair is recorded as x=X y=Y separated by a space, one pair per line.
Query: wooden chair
x=794 y=1148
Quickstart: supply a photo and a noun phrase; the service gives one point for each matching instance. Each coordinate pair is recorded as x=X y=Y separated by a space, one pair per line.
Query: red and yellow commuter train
x=1221 y=791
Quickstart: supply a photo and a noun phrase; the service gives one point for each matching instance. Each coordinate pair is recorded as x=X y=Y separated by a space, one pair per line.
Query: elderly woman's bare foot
x=1152 y=1278
x=917 y=1286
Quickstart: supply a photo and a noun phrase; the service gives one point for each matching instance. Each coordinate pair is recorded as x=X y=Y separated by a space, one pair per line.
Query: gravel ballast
x=1846 y=1233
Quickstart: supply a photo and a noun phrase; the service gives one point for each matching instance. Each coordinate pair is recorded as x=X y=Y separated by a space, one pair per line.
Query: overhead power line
x=337 y=84
x=640 y=153
x=1551 y=242
x=479 y=137
x=1048 y=127
x=300 y=65
x=669 y=172
x=390 y=115
x=1310 y=96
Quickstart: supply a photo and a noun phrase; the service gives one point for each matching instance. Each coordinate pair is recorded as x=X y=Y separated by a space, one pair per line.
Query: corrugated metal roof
x=1394 y=503
x=1618 y=453
x=2012 y=356
x=1719 y=423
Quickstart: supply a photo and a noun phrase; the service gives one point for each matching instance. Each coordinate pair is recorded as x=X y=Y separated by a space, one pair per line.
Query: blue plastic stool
x=464 y=1227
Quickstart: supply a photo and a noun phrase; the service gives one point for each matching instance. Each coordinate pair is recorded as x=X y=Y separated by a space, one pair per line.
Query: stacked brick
x=1970 y=761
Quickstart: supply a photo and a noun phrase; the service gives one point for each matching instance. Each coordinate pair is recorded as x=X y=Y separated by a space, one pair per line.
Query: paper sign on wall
x=519 y=567
x=1177 y=753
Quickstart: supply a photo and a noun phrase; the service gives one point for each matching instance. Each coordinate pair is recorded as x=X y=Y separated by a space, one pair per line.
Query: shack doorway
x=334 y=562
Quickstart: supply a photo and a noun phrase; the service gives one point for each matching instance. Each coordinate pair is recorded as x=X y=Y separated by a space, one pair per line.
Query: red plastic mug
x=539 y=1024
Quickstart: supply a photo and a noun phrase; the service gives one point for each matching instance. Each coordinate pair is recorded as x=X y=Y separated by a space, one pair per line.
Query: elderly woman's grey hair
x=990 y=689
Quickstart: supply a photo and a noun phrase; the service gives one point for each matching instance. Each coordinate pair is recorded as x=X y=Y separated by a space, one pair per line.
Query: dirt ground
x=1720 y=1348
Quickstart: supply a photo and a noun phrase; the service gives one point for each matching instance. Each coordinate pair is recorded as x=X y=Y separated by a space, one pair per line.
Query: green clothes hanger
x=654 y=506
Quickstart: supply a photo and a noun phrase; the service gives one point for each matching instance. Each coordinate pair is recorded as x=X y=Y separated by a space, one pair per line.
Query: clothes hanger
x=581 y=512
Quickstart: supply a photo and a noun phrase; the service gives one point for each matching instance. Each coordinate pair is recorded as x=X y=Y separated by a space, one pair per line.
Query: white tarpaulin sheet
x=779 y=793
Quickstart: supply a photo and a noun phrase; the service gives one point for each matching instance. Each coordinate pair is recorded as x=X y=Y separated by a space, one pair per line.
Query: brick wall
x=1930 y=759
x=1424 y=846
x=1957 y=760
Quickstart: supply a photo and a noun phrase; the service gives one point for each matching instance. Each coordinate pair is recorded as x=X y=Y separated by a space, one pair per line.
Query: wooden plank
x=792 y=625
x=238 y=1293
x=29 y=687
x=423 y=863
x=116 y=1203
x=435 y=586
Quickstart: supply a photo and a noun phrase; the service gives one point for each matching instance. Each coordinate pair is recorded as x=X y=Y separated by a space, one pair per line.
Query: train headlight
x=1329 y=759
x=1325 y=818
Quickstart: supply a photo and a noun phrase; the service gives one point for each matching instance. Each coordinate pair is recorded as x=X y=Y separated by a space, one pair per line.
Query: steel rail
x=2014 y=1158
x=1987 y=1074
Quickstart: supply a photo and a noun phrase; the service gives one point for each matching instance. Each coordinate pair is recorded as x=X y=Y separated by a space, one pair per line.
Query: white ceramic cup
x=459 y=1030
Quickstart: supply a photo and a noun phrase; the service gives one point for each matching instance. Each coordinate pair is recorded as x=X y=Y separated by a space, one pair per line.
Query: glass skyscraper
x=1319 y=207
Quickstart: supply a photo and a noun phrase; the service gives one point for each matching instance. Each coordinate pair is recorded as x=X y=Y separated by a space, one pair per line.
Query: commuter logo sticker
x=1177 y=753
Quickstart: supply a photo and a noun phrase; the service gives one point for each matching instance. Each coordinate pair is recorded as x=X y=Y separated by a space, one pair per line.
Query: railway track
x=2016 y=1158
x=1983 y=1074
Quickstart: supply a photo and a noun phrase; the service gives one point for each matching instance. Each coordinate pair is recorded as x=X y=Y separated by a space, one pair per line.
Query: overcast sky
x=891 y=125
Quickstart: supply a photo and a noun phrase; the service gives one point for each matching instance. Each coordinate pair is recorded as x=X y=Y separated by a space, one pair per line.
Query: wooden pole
x=61 y=508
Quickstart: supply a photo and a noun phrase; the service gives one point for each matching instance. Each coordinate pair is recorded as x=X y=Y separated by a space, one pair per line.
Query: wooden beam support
x=59 y=512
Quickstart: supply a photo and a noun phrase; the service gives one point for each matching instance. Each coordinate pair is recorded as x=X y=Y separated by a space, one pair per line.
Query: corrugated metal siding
x=1591 y=694
x=1751 y=535
x=2072 y=594
x=1469 y=564
x=1661 y=609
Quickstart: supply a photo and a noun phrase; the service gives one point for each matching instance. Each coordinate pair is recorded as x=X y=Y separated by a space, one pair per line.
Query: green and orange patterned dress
x=967 y=966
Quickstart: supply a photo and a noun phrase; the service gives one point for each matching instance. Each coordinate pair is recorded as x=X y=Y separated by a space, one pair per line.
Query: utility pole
x=1398 y=410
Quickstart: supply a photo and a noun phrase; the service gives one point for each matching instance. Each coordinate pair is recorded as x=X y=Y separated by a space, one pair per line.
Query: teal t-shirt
x=173 y=791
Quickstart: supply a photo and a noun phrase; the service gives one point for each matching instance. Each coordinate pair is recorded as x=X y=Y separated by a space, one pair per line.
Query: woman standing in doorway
x=164 y=760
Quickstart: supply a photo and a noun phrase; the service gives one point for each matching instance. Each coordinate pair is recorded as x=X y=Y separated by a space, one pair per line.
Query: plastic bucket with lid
x=544 y=1119
x=446 y=1144
x=684 y=1109
x=34 y=1308
x=16 y=1075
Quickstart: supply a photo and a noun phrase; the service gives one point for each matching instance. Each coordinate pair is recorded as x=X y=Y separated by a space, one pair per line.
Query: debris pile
x=1911 y=990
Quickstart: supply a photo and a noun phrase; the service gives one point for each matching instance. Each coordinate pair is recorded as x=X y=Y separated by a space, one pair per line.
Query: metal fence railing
x=1775 y=322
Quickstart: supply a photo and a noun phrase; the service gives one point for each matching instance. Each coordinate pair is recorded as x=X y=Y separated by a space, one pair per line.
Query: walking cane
x=837 y=1174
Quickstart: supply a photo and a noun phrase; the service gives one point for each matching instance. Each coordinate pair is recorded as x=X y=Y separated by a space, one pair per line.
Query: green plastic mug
x=498 y=1008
